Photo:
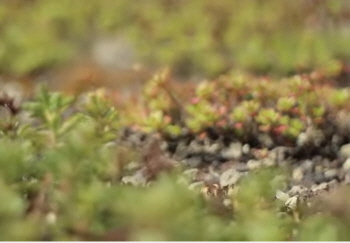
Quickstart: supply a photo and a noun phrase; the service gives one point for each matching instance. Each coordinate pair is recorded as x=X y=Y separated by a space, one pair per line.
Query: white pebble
x=346 y=165
x=282 y=196
x=292 y=203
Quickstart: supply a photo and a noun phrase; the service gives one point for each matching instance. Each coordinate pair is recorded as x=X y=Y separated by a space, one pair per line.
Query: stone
x=321 y=187
x=138 y=179
x=229 y=177
x=266 y=140
x=246 y=148
x=296 y=190
x=297 y=174
x=331 y=174
x=233 y=152
x=344 y=151
x=282 y=196
x=227 y=202
x=319 y=178
x=318 y=169
x=135 y=139
x=292 y=203
x=242 y=167
x=346 y=165
x=253 y=164
x=347 y=179
x=194 y=161
x=194 y=147
x=268 y=162
x=212 y=148
x=307 y=165
x=302 y=139
x=181 y=151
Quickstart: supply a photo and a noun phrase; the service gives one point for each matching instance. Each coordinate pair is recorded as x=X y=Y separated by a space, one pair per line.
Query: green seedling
x=50 y=109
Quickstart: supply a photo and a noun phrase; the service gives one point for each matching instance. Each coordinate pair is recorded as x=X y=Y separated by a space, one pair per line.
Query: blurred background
x=76 y=44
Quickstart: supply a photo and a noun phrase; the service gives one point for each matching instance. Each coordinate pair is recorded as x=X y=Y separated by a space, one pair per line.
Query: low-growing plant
x=69 y=173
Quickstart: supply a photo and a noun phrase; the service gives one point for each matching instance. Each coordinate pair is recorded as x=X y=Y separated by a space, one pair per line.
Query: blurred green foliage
x=62 y=166
x=199 y=37
x=67 y=185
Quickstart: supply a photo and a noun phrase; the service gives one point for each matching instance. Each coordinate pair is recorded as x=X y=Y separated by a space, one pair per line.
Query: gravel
x=314 y=166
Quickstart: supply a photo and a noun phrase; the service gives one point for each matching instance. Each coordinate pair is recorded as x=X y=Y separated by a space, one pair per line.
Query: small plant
x=49 y=108
x=267 y=118
x=286 y=104
x=201 y=115
x=339 y=98
x=99 y=108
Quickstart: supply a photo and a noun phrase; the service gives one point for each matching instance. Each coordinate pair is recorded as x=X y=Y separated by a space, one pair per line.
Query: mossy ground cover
x=267 y=155
x=259 y=150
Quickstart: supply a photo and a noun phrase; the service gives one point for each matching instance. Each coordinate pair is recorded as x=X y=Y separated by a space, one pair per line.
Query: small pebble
x=297 y=174
x=181 y=151
x=344 y=151
x=194 y=147
x=319 y=177
x=253 y=164
x=321 y=187
x=212 y=149
x=242 y=167
x=292 y=203
x=265 y=140
x=318 y=169
x=346 y=165
x=347 y=179
x=268 y=162
x=282 y=196
x=194 y=161
x=137 y=179
x=302 y=139
x=307 y=165
x=296 y=190
x=233 y=152
x=246 y=148
x=227 y=202
x=229 y=177
x=331 y=174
